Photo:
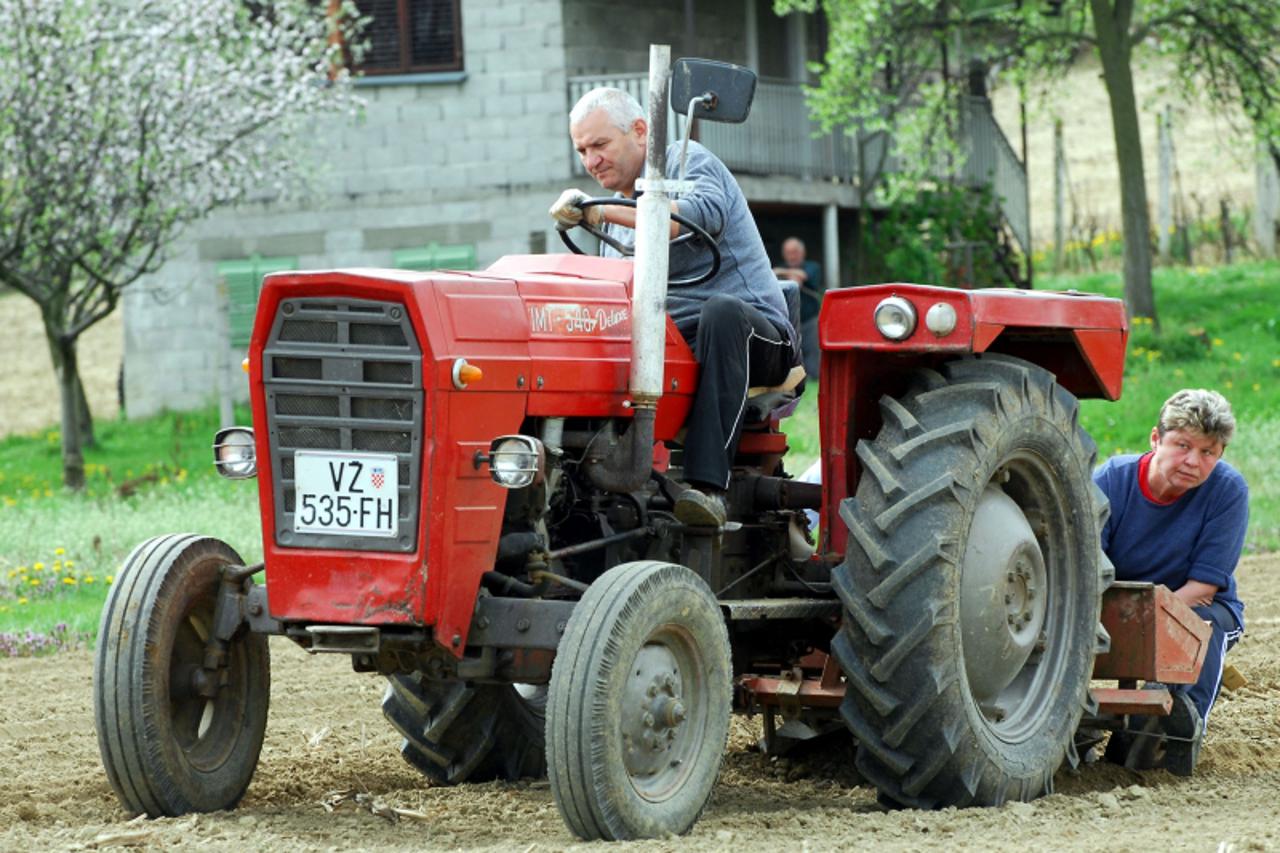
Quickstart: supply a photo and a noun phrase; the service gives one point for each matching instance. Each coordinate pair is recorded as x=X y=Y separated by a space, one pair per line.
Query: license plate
x=353 y=494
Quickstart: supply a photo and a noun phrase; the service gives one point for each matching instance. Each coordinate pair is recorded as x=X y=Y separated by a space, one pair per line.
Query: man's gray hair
x=1198 y=410
x=622 y=109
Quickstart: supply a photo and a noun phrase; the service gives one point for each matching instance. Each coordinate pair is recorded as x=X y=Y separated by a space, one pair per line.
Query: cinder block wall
x=474 y=161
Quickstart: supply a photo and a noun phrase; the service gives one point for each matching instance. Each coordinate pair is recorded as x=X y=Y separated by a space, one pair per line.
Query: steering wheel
x=694 y=232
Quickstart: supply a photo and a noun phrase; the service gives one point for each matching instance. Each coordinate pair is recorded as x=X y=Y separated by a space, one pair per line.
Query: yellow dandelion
x=1275 y=362
x=4 y=609
x=48 y=493
x=57 y=565
x=88 y=579
x=38 y=566
x=1152 y=355
x=58 y=552
x=8 y=501
x=1230 y=384
x=34 y=582
x=1257 y=386
x=69 y=564
x=22 y=600
x=1217 y=342
x=69 y=581
x=111 y=578
x=1237 y=356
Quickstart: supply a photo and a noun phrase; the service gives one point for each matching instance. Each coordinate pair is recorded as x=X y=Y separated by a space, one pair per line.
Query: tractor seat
x=764 y=403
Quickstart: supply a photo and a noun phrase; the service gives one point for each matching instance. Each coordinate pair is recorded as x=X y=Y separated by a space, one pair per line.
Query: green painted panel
x=243 y=280
x=434 y=256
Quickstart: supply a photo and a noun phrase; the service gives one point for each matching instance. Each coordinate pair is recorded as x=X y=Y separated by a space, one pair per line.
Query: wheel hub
x=1003 y=597
x=654 y=713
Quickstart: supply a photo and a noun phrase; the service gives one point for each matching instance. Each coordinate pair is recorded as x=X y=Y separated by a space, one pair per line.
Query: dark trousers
x=809 y=343
x=736 y=347
x=1225 y=634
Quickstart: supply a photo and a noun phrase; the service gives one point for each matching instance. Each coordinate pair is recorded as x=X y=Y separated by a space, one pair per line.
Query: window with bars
x=411 y=36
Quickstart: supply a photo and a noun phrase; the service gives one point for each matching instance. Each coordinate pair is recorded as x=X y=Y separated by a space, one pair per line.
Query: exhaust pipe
x=624 y=466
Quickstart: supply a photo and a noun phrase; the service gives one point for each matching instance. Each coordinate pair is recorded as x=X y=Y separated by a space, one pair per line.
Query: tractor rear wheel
x=169 y=745
x=972 y=587
x=455 y=733
x=639 y=705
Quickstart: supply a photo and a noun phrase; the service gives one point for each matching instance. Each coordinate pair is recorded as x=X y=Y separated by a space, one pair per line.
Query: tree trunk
x=84 y=416
x=71 y=394
x=1111 y=26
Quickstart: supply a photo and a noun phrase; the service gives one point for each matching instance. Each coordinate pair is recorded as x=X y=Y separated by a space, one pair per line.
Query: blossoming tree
x=122 y=121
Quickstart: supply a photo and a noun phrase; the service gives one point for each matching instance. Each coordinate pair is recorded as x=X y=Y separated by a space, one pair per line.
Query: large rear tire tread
x=613 y=620
x=456 y=733
x=922 y=741
x=165 y=584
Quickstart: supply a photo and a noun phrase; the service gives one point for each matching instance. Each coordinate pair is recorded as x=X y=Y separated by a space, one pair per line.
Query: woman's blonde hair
x=1198 y=410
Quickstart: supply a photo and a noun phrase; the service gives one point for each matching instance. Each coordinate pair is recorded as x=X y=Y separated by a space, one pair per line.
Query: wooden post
x=1059 y=197
x=1164 y=193
x=1224 y=225
x=1267 y=204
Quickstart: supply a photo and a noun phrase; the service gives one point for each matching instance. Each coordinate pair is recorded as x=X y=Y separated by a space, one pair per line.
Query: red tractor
x=466 y=483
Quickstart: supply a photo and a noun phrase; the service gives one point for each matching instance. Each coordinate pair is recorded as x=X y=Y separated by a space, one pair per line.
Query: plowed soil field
x=326 y=734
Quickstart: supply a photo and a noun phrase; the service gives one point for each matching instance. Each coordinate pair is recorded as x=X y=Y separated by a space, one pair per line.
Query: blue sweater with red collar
x=1199 y=536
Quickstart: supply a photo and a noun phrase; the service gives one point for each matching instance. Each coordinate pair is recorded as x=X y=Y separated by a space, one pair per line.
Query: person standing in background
x=808 y=275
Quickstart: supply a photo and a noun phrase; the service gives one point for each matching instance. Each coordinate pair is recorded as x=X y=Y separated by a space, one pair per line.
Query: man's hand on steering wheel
x=568 y=211
x=574 y=207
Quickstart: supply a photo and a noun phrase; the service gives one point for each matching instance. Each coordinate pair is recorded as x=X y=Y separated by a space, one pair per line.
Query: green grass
x=1218 y=331
x=130 y=455
x=59 y=551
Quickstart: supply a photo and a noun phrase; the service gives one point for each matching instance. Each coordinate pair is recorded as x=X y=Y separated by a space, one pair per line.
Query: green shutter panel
x=433 y=256
x=243 y=280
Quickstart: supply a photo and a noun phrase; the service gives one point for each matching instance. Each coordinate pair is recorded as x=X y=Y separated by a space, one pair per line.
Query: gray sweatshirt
x=718 y=205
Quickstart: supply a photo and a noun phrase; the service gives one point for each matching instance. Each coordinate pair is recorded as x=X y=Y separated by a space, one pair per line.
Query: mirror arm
x=709 y=99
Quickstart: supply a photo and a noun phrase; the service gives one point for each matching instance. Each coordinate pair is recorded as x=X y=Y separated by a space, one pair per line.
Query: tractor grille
x=344 y=375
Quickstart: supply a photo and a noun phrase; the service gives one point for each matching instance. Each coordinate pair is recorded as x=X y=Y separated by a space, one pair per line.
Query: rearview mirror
x=730 y=89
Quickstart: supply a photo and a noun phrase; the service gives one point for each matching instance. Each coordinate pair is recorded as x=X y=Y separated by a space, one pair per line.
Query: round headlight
x=515 y=462
x=940 y=319
x=895 y=318
x=233 y=453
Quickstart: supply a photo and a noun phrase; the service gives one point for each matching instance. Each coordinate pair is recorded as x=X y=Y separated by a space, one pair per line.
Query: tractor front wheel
x=176 y=736
x=972 y=587
x=639 y=705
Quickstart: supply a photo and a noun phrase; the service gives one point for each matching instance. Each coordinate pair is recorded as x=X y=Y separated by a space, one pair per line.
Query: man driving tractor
x=736 y=322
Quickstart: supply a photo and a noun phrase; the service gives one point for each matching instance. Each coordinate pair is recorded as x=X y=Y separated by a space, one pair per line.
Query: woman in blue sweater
x=1178 y=518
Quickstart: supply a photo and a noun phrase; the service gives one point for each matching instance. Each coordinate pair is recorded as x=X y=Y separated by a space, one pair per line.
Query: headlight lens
x=516 y=461
x=233 y=453
x=895 y=318
x=940 y=319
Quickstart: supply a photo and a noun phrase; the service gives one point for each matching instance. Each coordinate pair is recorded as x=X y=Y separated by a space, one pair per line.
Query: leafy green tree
x=889 y=66
x=122 y=121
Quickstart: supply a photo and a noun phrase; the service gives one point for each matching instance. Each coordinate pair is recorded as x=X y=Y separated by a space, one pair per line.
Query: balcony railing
x=780 y=139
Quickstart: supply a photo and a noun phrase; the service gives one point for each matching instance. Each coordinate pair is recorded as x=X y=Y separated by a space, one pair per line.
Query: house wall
x=474 y=161
x=607 y=37
x=468 y=159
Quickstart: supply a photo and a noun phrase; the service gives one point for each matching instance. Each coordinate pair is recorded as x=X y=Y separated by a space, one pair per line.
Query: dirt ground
x=326 y=734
